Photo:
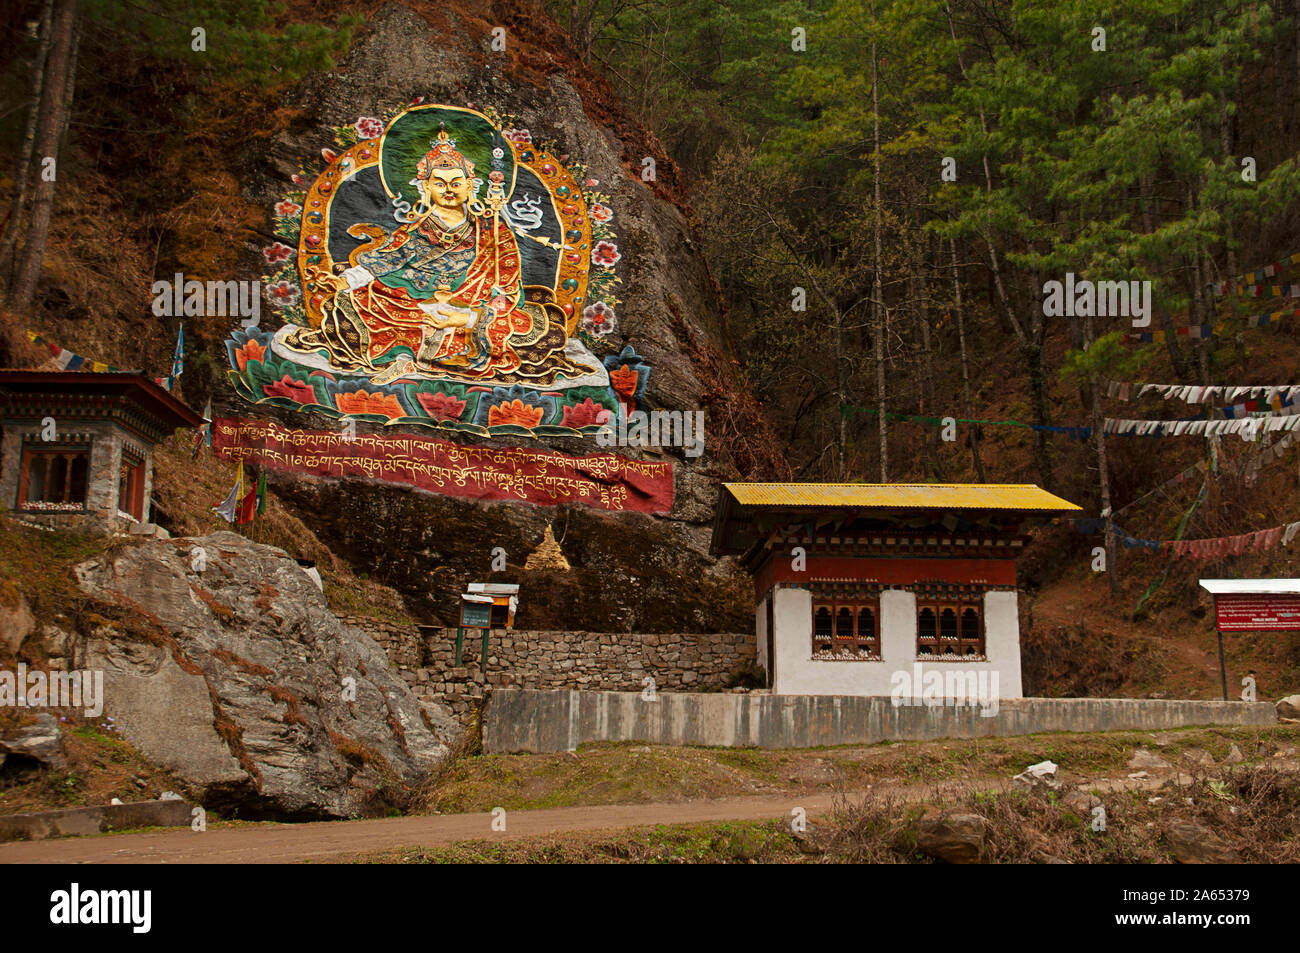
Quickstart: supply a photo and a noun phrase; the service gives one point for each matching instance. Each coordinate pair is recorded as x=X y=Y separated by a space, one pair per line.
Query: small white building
x=862 y=587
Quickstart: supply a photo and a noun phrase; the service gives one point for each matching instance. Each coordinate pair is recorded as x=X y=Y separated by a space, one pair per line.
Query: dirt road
x=331 y=841
x=335 y=840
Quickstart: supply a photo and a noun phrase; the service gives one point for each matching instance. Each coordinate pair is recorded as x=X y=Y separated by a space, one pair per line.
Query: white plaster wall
x=797 y=673
x=760 y=627
x=1002 y=639
x=897 y=629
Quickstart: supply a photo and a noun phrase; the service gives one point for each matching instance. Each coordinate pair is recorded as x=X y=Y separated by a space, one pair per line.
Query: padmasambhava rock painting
x=448 y=272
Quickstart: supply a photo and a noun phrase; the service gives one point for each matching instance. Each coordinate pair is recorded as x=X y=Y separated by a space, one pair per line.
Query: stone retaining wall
x=592 y=661
x=402 y=643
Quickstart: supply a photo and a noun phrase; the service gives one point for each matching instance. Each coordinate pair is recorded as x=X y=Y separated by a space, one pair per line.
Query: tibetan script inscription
x=604 y=480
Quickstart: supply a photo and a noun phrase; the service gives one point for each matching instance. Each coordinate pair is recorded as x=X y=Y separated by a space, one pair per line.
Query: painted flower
x=605 y=254
x=369 y=402
x=274 y=254
x=250 y=350
x=515 y=412
x=368 y=127
x=441 y=406
x=299 y=180
x=592 y=183
x=287 y=209
x=296 y=391
x=584 y=415
x=518 y=136
x=598 y=318
x=283 y=294
x=601 y=213
x=624 y=380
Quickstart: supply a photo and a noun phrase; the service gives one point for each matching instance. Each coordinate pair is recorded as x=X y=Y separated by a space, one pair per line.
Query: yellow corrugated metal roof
x=978 y=496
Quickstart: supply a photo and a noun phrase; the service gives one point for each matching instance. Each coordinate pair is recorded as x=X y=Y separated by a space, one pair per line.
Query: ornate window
x=950 y=627
x=130 y=486
x=849 y=629
x=54 y=480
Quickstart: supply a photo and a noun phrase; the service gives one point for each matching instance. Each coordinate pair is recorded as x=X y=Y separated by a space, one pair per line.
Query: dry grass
x=1254 y=810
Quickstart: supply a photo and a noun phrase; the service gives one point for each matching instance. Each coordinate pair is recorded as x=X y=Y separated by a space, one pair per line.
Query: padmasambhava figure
x=443 y=294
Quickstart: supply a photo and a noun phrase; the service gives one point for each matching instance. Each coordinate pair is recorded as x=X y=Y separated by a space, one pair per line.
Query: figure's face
x=450 y=188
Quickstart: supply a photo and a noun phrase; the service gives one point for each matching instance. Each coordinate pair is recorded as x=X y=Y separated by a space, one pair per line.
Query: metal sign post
x=486 y=606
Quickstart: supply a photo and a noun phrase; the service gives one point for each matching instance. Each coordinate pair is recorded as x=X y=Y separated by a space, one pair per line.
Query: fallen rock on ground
x=1146 y=760
x=1199 y=756
x=1193 y=843
x=1080 y=802
x=952 y=837
x=1289 y=707
x=29 y=748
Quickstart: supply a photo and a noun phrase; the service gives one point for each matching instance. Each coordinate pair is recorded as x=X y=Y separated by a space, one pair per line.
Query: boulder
x=1234 y=755
x=16 y=620
x=1080 y=802
x=1193 y=843
x=1289 y=707
x=240 y=681
x=1146 y=760
x=1199 y=756
x=952 y=837
x=30 y=747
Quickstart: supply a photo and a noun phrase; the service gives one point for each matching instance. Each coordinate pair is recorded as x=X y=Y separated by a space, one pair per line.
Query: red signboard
x=605 y=481
x=1257 y=612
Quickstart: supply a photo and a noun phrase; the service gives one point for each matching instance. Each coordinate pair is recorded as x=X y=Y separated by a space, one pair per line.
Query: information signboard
x=475 y=614
x=1257 y=612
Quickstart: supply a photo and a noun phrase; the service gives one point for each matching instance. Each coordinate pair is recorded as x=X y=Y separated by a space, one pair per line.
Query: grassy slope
x=638 y=774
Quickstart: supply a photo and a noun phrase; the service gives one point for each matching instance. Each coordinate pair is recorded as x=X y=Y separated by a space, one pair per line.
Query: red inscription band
x=604 y=481
x=1249 y=612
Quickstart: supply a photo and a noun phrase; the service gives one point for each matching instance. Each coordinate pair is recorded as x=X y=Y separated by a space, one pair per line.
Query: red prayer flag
x=247 y=506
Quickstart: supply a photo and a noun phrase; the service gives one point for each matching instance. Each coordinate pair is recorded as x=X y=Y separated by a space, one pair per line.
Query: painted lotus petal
x=368 y=402
x=292 y=389
x=624 y=380
x=441 y=406
x=250 y=350
x=584 y=415
x=515 y=412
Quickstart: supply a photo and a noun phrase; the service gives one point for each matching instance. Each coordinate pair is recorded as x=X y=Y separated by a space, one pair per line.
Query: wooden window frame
x=860 y=645
x=958 y=646
x=130 y=487
x=71 y=454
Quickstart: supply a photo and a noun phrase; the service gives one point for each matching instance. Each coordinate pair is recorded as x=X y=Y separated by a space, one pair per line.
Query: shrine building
x=77 y=447
x=855 y=582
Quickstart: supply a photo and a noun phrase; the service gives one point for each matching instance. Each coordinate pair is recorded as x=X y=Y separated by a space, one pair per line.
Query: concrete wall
x=524 y=720
x=799 y=673
x=79 y=821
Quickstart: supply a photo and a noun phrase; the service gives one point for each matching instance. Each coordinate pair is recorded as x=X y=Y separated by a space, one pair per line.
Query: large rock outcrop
x=430 y=546
x=223 y=663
